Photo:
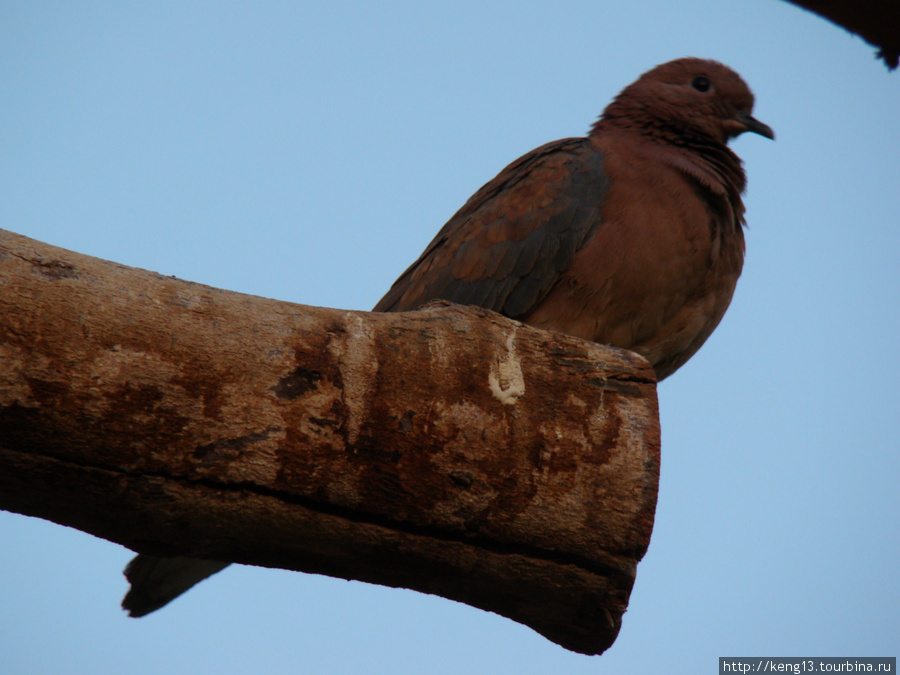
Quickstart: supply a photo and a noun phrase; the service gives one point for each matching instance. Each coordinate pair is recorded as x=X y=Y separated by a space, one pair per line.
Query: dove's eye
x=701 y=83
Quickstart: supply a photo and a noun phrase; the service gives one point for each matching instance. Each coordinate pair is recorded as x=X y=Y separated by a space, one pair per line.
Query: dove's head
x=690 y=99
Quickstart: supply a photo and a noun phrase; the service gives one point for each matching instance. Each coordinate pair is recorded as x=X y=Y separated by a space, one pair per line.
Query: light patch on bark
x=359 y=365
x=505 y=379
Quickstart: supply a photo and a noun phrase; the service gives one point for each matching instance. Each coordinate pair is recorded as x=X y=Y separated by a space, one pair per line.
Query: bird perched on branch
x=631 y=236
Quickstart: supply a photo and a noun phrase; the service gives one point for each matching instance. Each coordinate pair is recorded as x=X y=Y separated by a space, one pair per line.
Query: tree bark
x=451 y=451
x=875 y=21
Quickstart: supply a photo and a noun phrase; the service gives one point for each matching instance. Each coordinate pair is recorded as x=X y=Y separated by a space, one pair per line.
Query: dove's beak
x=747 y=122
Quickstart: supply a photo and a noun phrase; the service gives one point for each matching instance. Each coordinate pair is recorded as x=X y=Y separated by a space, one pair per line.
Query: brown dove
x=631 y=236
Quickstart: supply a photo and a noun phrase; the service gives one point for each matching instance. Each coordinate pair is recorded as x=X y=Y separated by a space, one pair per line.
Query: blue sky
x=309 y=153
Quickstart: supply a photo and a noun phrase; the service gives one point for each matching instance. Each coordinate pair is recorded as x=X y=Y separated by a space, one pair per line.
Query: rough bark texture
x=876 y=21
x=450 y=450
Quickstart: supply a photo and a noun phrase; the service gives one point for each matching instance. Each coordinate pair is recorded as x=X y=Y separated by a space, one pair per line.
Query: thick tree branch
x=450 y=451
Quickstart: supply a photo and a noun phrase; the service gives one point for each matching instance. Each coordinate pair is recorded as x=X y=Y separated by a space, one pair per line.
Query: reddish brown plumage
x=631 y=236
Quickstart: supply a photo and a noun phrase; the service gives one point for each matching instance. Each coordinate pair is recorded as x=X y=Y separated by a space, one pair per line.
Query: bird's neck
x=708 y=162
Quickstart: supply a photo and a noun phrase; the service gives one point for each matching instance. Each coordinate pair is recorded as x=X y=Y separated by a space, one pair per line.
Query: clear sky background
x=308 y=151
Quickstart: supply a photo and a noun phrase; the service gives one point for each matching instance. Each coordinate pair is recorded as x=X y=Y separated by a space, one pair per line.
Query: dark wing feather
x=507 y=246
